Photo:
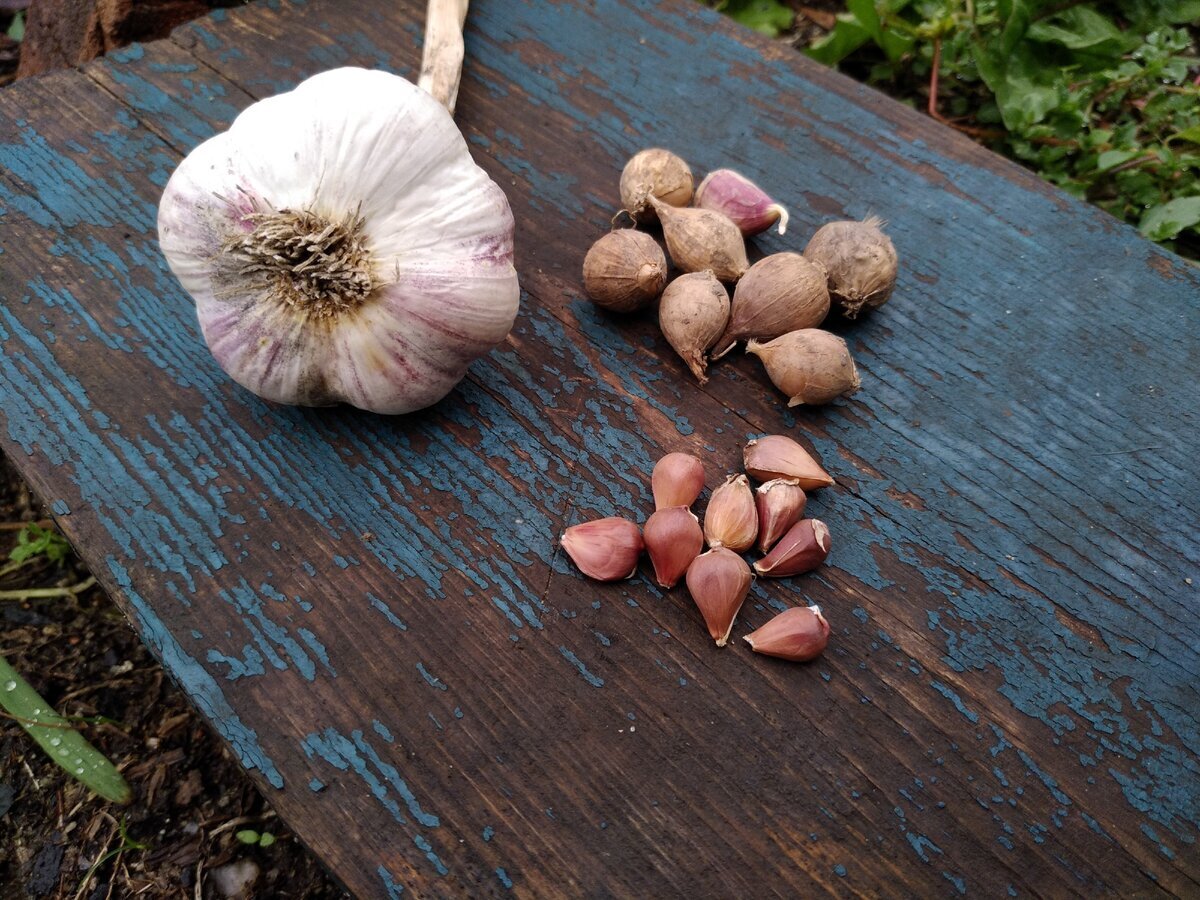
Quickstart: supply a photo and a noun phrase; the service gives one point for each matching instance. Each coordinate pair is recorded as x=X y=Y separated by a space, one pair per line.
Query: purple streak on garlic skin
x=748 y=205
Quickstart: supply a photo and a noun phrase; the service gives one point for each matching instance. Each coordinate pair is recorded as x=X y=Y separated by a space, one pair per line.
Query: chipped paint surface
x=1014 y=645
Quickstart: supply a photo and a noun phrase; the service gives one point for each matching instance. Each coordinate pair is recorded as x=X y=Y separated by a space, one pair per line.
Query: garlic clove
x=692 y=314
x=673 y=539
x=810 y=365
x=677 y=480
x=731 y=519
x=798 y=634
x=860 y=260
x=624 y=270
x=654 y=173
x=702 y=240
x=778 y=456
x=801 y=549
x=604 y=549
x=780 y=503
x=743 y=201
x=780 y=293
x=719 y=581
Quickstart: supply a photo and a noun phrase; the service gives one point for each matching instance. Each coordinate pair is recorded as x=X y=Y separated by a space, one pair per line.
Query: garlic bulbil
x=860 y=260
x=342 y=246
x=780 y=293
x=798 y=634
x=656 y=173
x=810 y=365
x=778 y=456
x=692 y=314
x=677 y=480
x=719 y=581
x=604 y=549
x=731 y=519
x=743 y=201
x=624 y=270
x=702 y=240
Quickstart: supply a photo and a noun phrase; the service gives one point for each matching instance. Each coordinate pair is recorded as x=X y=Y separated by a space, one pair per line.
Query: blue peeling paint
x=591 y=679
x=431 y=680
x=394 y=888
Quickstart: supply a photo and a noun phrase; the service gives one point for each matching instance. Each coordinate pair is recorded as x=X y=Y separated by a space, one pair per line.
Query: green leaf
x=1191 y=135
x=1110 y=158
x=54 y=734
x=1016 y=16
x=1025 y=90
x=1165 y=221
x=266 y=840
x=847 y=36
x=16 y=29
x=1082 y=28
x=894 y=44
x=247 y=836
x=767 y=17
x=33 y=540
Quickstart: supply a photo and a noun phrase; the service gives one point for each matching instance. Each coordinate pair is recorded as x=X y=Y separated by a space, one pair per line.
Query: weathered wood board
x=373 y=611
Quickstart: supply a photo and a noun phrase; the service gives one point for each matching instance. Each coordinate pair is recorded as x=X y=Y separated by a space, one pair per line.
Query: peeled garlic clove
x=731 y=519
x=718 y=582
x=743 y=201
x=673 y=539
x=604 y=549
x=780 y=503
x=800 y=550
x=700 y=240
x=654 y=173
x=677 y=480
x=692 y=314
x=798 y=634
x=780 y=293
x=810 y=365
x=778 y=456
x=624 y=270
x=860 y=260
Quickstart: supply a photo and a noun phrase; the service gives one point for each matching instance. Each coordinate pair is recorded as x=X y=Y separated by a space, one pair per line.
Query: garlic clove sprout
x=780 y=503
x=810 y=365
x=780 y=293
x=656 y=173
x=702 y=240
x=731 y=519
x=860 y=260
x=778 y=456
x=798 y=634
x=719 y=581
x=743 y=201
x=624 y=270
x=342 y=246
x=692 y=314
x=677 y=480
x=604 y=549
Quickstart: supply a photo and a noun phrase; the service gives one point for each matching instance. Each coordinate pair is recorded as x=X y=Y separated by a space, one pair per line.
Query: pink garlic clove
x=677 y=480
x=604 y=549
x=731 y=519
x=718 y=582
x=798 y=634
x=673 y=539
x=780 y=503
x=743 y=201
x=800 y=550
x=778 y=456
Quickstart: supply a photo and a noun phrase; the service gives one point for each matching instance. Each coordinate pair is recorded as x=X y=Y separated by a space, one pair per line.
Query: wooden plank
x=1009 y=700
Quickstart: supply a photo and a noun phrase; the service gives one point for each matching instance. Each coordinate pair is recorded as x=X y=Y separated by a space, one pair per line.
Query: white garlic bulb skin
x=342 y=246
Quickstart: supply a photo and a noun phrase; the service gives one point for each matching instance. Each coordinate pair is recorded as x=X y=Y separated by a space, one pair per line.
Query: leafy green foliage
x=33 y=540
x=16 y=29
x=1102 y=99
x=254 y=838
x=769 y=17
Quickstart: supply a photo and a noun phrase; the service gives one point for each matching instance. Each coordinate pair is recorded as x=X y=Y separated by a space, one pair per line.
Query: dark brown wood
x=373 y=611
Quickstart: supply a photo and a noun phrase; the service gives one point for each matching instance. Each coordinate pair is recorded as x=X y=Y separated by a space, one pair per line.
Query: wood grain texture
x=373 y=611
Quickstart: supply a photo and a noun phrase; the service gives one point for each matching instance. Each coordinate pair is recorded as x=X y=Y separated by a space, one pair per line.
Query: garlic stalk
x=342 y=246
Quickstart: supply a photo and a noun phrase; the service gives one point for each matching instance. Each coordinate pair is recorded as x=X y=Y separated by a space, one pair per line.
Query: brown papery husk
x=692 y=314
x=719 y=581
x=624 y=271
x=810 y=366
x=703 y=240
x=780 y=293
x=780 y=503
x=658 y=173
x=778 y=456
x=861 y=262
x=673 y=539
x=677 y=480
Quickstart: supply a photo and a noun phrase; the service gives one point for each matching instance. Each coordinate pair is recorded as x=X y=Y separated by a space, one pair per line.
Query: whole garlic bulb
x=342 y=246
